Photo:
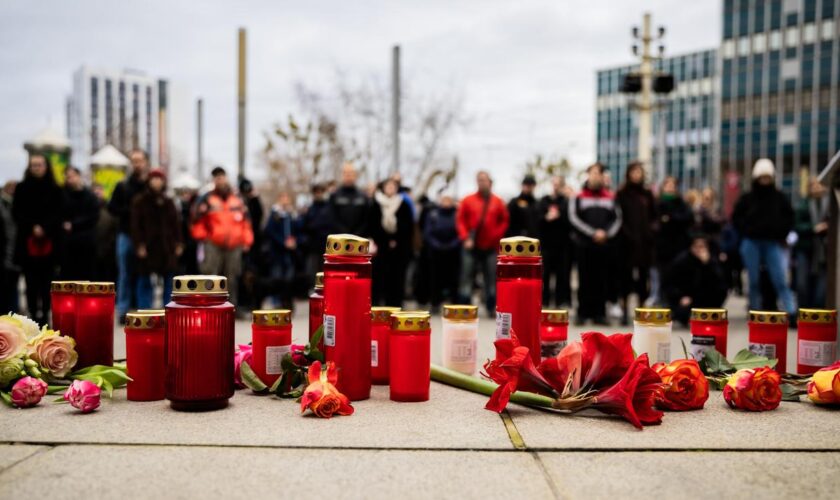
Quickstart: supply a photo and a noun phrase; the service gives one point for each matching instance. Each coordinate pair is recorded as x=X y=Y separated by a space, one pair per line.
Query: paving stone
x=10 y=454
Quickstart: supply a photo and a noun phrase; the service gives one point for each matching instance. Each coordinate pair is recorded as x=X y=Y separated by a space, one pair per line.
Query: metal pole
x=662 y=156
x=645 y=100
x=241 y=102
x=200 y=135
x=395 y=107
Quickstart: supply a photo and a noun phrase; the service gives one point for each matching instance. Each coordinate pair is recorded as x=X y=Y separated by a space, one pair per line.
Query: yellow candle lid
x=702 y=315
x=381 y=314
x=652 y=315
x=347 y=244
x=460 y=312
x=826 y=316
x=410 y=321
x=560 y=316
x=199 y=284
x=95 y=287
x=144 y=320
x=519 y=246
x=769 y=317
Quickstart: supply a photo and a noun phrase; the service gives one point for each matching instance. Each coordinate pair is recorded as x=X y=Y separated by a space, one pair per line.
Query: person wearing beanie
x=523 y=210
x=763 y=217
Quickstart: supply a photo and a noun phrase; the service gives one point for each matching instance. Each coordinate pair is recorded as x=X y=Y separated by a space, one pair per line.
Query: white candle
x=652 y=334
x=460 y=338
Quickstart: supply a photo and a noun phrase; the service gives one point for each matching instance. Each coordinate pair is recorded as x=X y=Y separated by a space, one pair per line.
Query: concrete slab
x=11 y=454
x=213 y=472
x=712 y=475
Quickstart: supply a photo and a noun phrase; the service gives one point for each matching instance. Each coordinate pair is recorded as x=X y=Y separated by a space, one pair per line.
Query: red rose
x=686 y=388
x=753 y=389
x=321 y=396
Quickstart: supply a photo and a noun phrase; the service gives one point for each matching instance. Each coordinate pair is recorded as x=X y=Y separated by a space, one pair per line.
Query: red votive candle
x=380 y=331
x=144 y=357
x=271 y=338
x=410 y=356
x=817 y=339
x=347 y=312
x=768 y=336
x=519 y=292
x=94 y=325
x=199 y=344
x=316 y=309
x=709 y=329
x=554 y=332
x=63 y=306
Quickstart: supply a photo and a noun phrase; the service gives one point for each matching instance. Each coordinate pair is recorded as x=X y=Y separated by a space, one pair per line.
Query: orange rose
x=824 y=387
x=753 y=389
x=321 y=396
x=686 y=388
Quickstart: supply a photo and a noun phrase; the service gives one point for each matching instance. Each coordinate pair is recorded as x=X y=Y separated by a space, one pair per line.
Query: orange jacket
x=223 y=221
x=495 y=221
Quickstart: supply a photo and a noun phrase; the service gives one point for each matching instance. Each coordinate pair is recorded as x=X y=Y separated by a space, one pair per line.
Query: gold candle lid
x=460 y=312
x=144 y=320
x=65 y=286
x=319 y=280
x=703 y=315
x=769 y=317
x=382 y=314
x=347 y=244
x=560 y=316
x=825 y=316
x=272 y=317
x=410 y=321
x=95 y=287
x=152 y=311
x=519 y=246
x=199 y=284
x=654 y=316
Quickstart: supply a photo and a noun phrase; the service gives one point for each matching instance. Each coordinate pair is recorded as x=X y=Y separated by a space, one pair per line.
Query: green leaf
x=747 y=359
x=251 y=379
x=293 y=394
x=107 y=387
x=791 y=393
x=55 y=389
x=714 y=362
x=115 y=375
x=286 y=364
x=685 y=351
x=312 y=346
x=278 y=383
x=7 y=398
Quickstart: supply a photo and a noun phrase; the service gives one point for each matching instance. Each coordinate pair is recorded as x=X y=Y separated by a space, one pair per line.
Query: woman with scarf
x=392 y=229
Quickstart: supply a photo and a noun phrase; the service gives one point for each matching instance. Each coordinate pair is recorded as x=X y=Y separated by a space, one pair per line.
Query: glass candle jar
x=709 y=329
x=460 y=338
x=347 y=312
x=94 y=325
x=63 y=306
x=519 y=292
x=144 y=357
x=817 y=339
x=410 y=356
x=554 y=332
x=199 y=344
x=768 y=336
x=316 y=309
x=380 y=330
x=271 y=338
x=652 y=334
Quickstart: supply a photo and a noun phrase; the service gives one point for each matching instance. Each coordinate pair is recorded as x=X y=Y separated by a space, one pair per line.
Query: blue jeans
x=773 y=257
x=146 y=293
x=126 y=277
x=483 y=261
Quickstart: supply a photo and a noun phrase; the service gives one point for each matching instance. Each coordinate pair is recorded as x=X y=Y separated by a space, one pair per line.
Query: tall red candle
x=271 y=338
x=410 y=356
x=199 y=344
x=316 y=309
x=519 y=292
x=144 y=357
x=554 y=332
x=709 y=329
x=816 y=345
x=63 y=306
x=768 y=336
x=94 y=325
x=380 y=331
x=347 y=312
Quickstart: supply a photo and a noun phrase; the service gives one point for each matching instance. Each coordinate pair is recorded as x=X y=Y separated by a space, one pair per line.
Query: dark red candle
x=380 y=331
x=709 y=329
x=144 y=358
x=63 y=306
x=199 y=344
x=410 y=356
x=271 y=338
x=316 y=309
x=768 y=336
x=817 y=339
x=94 y=325
x=519 y=292
x=554 y=332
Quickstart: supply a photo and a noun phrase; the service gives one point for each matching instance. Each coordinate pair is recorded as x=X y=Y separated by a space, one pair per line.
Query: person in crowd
x=156 y=238
x=443 y=247
x=764 y=217
x=673 y=233
x=523 y=210
x=596 y=219
x=349 y=207
x=694 y=279
x=251 y=259
x=422 y=283
x=120 y=206
x=79 y=219
x=555 y=236
x=392 y=230
x=106 y=238
x=222 y=223
x=730 y=244
x=810 y=251
x=37 y=209
x=709 y=221
x=186 y=195
x=482 y=219
x=282 y=233
x=9 y=300
x=316 y=224
x=638 y=212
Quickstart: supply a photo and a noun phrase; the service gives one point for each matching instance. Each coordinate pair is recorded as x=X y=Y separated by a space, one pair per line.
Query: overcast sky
x=526 y=69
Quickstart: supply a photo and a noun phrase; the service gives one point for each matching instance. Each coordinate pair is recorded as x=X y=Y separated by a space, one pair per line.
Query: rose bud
x=28 y=391
x=753 y=389
x=83 y=395
x=244 y=354
x=824 y=387
x=686 y=388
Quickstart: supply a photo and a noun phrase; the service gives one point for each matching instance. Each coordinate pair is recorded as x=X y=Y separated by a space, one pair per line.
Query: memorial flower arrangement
x=824 y=387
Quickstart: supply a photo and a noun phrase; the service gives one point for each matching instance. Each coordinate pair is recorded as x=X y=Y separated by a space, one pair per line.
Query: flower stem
x=479 y=386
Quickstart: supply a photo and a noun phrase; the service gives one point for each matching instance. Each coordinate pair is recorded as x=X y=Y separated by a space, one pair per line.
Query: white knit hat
x=763 y=166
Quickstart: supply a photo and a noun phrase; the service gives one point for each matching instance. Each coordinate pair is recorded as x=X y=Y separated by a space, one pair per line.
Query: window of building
x=773 y=103
x=827 y=29
x=809 y=33
x=759 y=43
x=743 y=46
x=792 y=36
x=790 y=102
x=775 y=14
x=94 y=114
x=775 y=40
x=743 y=17
x=727 y=49
x=827 y=9
x=109 y=115
x=809 y=11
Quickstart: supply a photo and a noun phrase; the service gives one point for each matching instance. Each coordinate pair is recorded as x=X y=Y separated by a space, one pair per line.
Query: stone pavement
x=449 y=447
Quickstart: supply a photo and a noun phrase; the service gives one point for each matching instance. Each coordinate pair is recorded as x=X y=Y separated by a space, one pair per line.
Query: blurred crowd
x=635 y=245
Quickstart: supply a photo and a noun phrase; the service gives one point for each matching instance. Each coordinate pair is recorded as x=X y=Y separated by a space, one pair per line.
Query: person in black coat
x=523 y=210
x=80 y=216
x=349 y=207
x=440 y=238
x=316 y=224
x=37 y=210
x=694 y=279
x=555 y=237
x=392 y=230
x=638 y=211
x=675 y=220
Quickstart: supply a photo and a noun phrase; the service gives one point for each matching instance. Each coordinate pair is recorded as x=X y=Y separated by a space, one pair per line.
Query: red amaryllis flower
x=632 y=397
x=595 y=362
x=513 y=370
x=754 y=389
x=321 y=396
x=564 y=368
x=686 y=388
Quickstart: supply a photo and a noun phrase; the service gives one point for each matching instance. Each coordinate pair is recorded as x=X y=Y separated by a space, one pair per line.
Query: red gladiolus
x=632 y=397
x=597 y=361
x=513 y=370
x=321 y=396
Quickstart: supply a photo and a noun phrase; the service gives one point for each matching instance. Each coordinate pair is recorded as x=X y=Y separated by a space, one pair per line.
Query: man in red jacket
x=482 y=220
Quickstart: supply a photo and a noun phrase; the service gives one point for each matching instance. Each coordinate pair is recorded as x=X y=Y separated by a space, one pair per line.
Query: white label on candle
x=766 y=350
x=700 y=344
x=503 y=325
x=329 y=330
x=463 y=350
x=815 y=353
x=663 y=352
x=274 y=358
x=374 y=353
x=550 y=349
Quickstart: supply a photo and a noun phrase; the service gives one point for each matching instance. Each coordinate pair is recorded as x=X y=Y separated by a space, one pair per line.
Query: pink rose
x=28 y=391
x=55 y=353
x=84 y=395
x=12 y=341
x=243 y=354
x=298 y=357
